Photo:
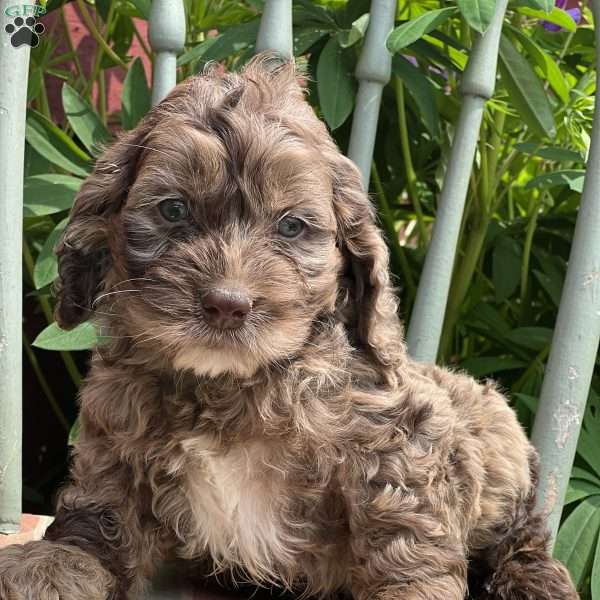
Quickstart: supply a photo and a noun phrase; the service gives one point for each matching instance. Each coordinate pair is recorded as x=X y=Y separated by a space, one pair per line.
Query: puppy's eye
x=290 y=227
x=173 y=210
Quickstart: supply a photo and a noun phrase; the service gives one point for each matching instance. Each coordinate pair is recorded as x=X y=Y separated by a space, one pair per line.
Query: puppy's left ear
x=83 y=252
x=373 y=305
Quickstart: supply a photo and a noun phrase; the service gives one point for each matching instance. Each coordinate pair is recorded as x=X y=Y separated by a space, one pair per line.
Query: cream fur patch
x=213 y=362
x=234 y=498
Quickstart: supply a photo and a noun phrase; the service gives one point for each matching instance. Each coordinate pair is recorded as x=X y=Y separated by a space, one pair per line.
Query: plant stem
x=387 y=219
x=89 y=22
x=463 y=279
x=102 y=96
x=411 y=177
x=70 y=44
x=44 y=103
x=538 y=361
x=489 y=150
x=141 y=40
x=56 y=409
x=531 y=225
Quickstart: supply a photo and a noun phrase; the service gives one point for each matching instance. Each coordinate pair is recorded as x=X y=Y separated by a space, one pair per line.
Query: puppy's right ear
x=82 y=252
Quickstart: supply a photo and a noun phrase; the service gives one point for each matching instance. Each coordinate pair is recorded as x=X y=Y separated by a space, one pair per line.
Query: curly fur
x=304 y=449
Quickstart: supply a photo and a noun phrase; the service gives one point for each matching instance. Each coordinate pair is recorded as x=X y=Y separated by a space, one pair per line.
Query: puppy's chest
x=240 y=505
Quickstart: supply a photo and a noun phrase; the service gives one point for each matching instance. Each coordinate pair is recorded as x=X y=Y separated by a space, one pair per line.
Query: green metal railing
x=577 y=332
x=275 y=31
x=575 y=339
x=14 y=64
x=373 y=71
x=425 y=328
x=166 y=34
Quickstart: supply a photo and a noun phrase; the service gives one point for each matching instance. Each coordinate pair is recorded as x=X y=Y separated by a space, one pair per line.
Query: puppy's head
x=223 y=228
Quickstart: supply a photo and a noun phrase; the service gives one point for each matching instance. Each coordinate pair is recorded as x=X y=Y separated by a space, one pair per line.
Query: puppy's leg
x=101 y=544
x=51 y=571
x=402 y=551
x=403 y=569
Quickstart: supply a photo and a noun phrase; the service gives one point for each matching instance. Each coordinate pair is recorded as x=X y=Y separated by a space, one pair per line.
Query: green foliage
x=335 y=83
x=477 y=13
x=522 y=201
x=411 y=31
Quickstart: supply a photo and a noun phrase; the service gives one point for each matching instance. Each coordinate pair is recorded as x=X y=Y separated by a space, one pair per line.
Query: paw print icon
x=24 y=31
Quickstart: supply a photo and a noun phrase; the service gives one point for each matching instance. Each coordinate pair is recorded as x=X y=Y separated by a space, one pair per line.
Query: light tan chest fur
x=237 y=505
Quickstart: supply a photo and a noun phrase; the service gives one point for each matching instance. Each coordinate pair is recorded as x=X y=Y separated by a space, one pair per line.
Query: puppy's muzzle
x=226 y=308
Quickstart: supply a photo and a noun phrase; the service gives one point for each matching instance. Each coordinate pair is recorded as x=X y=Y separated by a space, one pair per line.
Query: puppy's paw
x=52 y=571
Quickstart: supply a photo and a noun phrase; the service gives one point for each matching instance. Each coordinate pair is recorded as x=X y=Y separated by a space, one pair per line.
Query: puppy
x=254 y=404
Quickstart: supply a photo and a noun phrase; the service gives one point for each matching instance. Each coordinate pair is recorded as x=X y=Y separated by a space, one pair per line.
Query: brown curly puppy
x=254 y=402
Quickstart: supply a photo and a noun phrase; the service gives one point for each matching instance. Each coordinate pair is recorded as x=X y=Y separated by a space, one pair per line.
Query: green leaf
x=49 y=194
x=485 y=365
x=307 y=11
x=122 y=33
x=591 y=418
x=579 y=489
x=506 y=266
x=574 y=178
x=552 y=286
x=477 y=13
x=577 y=537
x=349 y=37
x=415 y=29
x=74 y=432
x=525 y=90
x=531 y=402
x=534 y=338
x=595 y=579
x=335 y=83
x=304 y=39
x=545 y=5
x=55 y=146
x=549 y=68
x=196 y=52
x=86 y=124
x=556 y=15
x=83 y=337
x=588 y=447
x=422 y=92
x=352 y=11
x=232 y=41
x=135 y=100
x=491 y=318
x=585 y=475
x=143 y=7
x=46 y=267
x=103 y=8
x=554 y=153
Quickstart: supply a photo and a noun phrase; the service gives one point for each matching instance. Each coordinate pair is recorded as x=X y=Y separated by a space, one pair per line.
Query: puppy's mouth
x=214 y=350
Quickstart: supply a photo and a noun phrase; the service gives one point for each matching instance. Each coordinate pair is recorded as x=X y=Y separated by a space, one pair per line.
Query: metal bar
x=14 y=66
x=373 y=71
x=167 y=38
x=575 y=341
x=478 y=84
x=275 y=31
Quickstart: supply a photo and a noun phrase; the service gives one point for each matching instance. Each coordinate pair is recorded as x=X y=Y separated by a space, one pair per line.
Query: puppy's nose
x=226 y=308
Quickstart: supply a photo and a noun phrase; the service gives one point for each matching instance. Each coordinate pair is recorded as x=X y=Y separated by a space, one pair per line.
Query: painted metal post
x=167 y=38
x=275 y=31
x=575 y=340
x=14 y=66
x=373 y=71
x=477 y=88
